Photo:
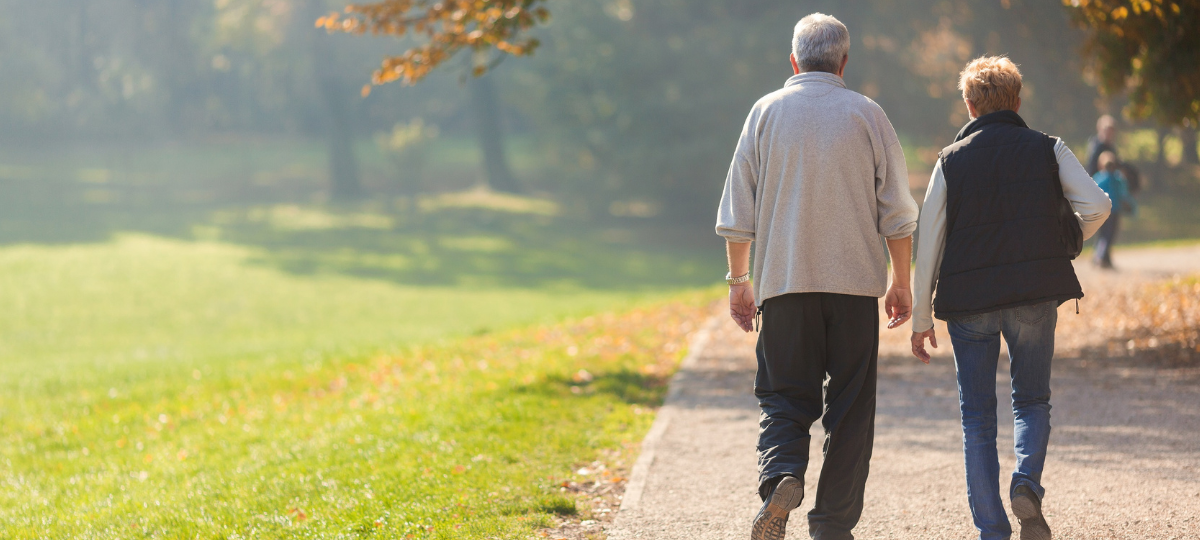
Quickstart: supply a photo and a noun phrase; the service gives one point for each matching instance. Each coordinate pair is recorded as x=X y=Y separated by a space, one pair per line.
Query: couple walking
x=819 y=183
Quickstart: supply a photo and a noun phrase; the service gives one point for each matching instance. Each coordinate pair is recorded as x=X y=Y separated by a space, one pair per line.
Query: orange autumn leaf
x=443 y=28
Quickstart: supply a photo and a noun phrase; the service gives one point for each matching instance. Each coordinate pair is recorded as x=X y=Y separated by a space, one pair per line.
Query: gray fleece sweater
x=818 y=181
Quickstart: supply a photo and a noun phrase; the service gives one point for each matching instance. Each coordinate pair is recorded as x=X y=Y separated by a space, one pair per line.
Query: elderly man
x=997 y=239
x=818 y=180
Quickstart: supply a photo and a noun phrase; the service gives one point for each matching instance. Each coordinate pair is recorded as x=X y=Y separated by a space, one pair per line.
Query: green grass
x=139 y=305
x=191 y=348
x=162 y=388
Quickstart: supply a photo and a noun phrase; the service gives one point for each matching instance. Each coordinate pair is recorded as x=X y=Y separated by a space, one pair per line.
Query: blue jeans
x=1029 y=332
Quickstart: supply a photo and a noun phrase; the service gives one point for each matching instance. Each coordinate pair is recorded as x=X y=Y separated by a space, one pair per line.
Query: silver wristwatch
x=736 y=280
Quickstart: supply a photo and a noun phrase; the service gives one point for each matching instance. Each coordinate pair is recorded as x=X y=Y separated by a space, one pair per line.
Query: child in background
x=1110 y=179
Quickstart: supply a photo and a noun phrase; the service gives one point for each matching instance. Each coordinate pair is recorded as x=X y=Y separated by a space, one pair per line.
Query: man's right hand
x=918 y=344
x=741 y=305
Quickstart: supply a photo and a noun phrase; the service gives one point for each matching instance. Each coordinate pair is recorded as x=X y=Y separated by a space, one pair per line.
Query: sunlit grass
x=490 y=200
x=159 y=388
x=141 y=305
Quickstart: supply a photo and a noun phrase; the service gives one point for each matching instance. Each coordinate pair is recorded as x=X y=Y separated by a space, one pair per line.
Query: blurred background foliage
x=627 y=113
x=1149 y=47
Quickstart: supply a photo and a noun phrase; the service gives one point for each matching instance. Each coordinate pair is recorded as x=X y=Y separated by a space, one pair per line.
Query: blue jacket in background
x=1113 y=183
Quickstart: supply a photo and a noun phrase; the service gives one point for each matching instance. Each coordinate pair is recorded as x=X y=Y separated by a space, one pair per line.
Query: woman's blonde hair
x=991 y=83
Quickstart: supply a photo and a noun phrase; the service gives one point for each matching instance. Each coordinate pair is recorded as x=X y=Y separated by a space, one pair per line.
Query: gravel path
x=1124 y=460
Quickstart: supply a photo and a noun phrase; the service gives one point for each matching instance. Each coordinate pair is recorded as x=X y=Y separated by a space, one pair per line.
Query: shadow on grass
x=545 y=504
x=390 y=240
x=488 y=248
x=53 y=212
x=626 y=385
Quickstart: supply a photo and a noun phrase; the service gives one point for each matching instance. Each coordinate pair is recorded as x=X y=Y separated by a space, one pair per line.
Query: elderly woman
x=993 y=245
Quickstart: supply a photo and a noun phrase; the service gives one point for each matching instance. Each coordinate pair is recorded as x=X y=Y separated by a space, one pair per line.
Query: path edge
x=641 y=468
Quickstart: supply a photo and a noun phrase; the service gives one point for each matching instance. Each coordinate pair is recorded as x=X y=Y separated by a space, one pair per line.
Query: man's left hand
x=898 y=305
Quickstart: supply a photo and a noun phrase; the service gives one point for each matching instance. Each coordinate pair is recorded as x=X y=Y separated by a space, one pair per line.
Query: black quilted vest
x=1004 y=244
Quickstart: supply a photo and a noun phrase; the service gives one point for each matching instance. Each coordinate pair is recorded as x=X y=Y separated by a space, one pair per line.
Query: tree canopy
x=442 y=28
x=628 y=107
x=1150 y=48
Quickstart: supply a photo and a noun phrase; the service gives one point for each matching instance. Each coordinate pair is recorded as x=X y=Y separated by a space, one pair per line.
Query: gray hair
x=820 y=43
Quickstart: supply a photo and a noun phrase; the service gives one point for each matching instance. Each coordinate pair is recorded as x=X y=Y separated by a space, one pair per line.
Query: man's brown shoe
x=1028 y=509
x=771 y=522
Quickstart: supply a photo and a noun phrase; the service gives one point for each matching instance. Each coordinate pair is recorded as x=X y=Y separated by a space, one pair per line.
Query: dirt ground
x=1124 y=459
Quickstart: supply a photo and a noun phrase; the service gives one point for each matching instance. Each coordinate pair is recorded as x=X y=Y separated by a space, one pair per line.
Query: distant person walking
x=818 y=180
x=1113 y=182
x=1105 y=140
x=997 y=243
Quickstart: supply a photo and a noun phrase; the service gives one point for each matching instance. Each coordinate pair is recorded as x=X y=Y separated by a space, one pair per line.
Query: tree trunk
x=1188 y=136
x=485 y=109
x=1161 y=161
x=177 y=36
x=344 y=183
x=80 y=51
x=343 y=164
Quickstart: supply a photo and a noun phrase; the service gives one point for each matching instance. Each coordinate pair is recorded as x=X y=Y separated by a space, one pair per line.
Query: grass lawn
x=158 y=388
x=197 y=360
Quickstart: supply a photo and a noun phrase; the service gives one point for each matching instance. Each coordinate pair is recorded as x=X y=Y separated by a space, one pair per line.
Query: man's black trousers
x=804 y=339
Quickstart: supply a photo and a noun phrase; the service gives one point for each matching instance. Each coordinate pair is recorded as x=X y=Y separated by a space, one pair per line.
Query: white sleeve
x=931 y=243
x=1090 y=202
